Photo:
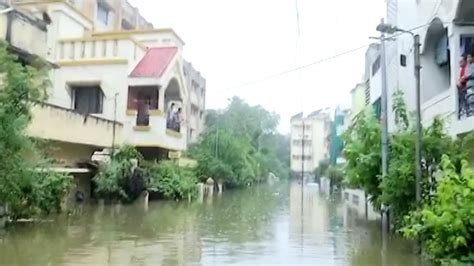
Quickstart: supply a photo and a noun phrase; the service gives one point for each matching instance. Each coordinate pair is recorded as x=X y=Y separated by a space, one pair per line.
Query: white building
x=446 y=31
x=110 y=65
x=312 y=133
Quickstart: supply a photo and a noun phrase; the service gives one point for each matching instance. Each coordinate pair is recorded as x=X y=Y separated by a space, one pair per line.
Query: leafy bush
x=171 y=181
x=446 y=224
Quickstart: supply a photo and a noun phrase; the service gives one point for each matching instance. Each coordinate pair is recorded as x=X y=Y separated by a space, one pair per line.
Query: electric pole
x=419 y=139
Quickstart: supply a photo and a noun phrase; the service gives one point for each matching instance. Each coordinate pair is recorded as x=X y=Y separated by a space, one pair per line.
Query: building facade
x=309 y=142
x=114 y=79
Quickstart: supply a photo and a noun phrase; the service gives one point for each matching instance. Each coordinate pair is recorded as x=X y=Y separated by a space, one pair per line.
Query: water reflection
x=266 y=225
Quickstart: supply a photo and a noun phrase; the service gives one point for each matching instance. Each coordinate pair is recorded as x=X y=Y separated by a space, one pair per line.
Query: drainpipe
x=8 y=35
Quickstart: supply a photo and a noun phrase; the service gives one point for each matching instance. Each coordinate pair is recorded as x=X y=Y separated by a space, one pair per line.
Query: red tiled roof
x=154 y=63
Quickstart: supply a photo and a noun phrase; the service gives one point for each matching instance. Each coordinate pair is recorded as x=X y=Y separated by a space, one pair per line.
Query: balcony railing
x=113 y=48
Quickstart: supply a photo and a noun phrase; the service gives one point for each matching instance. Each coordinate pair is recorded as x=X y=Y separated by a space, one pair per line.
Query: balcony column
x=161 y=100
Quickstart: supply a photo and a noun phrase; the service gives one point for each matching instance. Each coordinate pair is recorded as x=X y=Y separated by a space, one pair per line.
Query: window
x=142 y=95
x=376 y=65
x=88 y=99
x=126 y=25
x=103 y=13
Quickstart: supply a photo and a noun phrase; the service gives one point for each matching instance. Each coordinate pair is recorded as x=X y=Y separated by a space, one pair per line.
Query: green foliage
x=446 y=224
x=336 y=175
x=27 y=190
x=122 y=179
x=398 y=187
x=241 y=146
x=172 y=181
x=363 y=154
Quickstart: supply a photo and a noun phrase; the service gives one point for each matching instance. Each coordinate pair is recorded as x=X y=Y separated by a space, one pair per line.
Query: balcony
x=26 y=34
x=155 y=134
x=64 y=125
x=99 y=50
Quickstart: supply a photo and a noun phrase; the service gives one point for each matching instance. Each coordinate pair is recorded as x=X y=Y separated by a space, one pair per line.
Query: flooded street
x=263 y=225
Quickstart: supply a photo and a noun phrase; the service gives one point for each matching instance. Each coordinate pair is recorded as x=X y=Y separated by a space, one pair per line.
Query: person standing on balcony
x=462 y=82
x=469 y=77
x=179 y=119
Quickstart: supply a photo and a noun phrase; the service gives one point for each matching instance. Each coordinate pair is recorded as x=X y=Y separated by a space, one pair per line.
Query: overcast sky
x=234 y=42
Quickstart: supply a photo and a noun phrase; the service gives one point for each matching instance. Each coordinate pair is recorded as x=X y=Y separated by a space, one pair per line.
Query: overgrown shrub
x=172 y=181
x=446 y=224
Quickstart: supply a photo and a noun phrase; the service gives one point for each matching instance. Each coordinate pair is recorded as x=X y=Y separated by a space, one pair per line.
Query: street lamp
x=390 y=29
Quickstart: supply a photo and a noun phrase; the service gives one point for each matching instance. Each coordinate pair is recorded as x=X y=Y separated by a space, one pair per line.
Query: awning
x=154 y=63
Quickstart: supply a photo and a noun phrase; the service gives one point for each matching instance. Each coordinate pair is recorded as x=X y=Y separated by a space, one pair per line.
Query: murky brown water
x=257 y=226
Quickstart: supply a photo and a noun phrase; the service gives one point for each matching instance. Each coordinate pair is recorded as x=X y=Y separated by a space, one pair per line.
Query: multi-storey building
x=309 y=141
x=114 y=78
x=446 y=33
x=196 y=103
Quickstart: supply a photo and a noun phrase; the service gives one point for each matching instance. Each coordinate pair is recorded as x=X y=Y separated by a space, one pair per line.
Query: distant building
x=312 y=133
x=196 y=103
x=338 y=126
x=358 y=101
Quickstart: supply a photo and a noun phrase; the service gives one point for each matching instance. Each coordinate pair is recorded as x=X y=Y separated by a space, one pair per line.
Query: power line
x=297 y=68
x=297 y=18
x=318 y=62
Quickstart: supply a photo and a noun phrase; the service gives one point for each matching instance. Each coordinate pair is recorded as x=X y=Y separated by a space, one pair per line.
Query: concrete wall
x=59 y=124
x=355 y=199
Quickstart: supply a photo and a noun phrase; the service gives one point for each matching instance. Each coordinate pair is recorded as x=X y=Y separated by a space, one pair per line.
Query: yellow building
x=358 y=101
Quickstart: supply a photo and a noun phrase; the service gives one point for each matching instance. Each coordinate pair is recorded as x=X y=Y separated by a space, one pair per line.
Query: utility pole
x=416 y=39
x=302 y=157
x=217 y=141
x=114 y=125
x=384 y=100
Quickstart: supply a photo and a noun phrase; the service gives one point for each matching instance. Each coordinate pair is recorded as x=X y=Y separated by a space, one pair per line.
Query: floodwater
x=263 y=225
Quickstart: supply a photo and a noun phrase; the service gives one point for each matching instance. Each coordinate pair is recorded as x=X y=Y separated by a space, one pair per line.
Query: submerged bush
x=172 y=181
x=121 y=179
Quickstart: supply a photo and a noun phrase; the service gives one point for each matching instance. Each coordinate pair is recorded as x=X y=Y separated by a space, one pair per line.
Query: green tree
x=241 y=145
x=25 y=181
x=363 y=154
